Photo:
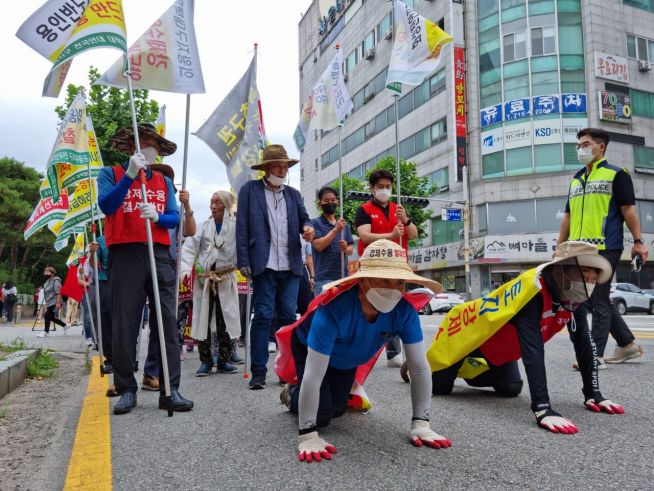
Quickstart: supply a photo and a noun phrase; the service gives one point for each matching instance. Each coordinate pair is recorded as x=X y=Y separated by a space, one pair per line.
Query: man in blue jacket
x=271 y=217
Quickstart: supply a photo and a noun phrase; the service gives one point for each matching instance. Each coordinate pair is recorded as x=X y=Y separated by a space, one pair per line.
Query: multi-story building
x=536 y=71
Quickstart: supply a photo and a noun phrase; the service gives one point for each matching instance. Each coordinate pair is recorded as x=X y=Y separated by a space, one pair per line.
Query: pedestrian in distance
x=10 y=294
x=354 y=318
x=53 y=301
x=332 y=240
x=601 y=200
x=130 y=269
x=270 y=217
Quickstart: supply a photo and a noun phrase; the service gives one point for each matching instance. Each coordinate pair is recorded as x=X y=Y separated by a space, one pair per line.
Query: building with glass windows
x=535 y=72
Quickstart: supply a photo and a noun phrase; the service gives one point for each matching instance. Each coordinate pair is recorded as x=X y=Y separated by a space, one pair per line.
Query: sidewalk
x=73 y=341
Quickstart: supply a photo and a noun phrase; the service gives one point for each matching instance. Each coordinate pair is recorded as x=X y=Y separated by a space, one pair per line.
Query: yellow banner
x=78 y=250
x=467 y=326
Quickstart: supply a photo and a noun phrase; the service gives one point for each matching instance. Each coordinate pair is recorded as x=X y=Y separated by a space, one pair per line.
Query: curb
x=13 y=370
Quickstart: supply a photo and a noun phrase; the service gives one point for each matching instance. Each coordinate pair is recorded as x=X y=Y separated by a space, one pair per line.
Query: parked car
x=629 y=298
x=443 y=302
x=649 y=291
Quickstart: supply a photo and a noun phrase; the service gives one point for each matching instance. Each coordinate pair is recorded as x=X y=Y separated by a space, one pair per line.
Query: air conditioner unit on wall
x=370 y=54
x=388 y=34
x=644 y=66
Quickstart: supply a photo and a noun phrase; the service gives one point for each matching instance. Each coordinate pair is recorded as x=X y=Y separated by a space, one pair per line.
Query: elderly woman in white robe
x=212 y=253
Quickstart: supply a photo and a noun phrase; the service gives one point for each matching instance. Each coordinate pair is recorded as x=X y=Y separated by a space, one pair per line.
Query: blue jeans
x=86 y=319
x=274 y=291
x=317 y=287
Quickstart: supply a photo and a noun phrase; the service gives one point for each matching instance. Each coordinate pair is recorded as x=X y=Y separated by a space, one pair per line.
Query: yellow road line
x=90 y=460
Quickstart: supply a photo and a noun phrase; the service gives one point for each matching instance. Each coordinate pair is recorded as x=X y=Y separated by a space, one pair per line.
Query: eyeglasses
x=585 y=145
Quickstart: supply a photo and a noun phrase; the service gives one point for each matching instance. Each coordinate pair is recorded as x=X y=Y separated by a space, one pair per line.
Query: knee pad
x=508 y=389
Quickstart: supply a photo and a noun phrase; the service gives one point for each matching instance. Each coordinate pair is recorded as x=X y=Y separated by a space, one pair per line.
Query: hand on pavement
x=149 y=211
x=556 y=423
x=246 y=271
x=605 y=406
x=313 y=448
x=137 y=163
x=421 y=433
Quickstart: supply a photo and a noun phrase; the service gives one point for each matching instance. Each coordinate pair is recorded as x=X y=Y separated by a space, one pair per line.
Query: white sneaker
x=272 y=347
x=42 y=335
x=66 y=327
x=396 y=362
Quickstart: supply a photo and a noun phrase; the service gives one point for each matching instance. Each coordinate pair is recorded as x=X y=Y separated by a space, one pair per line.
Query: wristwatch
x=408 y=222
x=638 y=241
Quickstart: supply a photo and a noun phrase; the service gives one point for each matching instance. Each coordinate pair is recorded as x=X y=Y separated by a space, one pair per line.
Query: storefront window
x=547 y=158
x=492 y=165
x=518 y=161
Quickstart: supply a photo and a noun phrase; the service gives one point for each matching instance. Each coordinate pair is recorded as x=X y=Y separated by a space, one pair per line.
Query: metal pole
x=95 y=338
x=153 y=264
x=397 y=155
x=466 y=231
x=182 y=211
x=340 y=196
x=95 y=261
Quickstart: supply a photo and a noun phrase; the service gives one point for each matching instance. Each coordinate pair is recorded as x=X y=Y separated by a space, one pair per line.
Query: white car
x=629 y=298
x=443 y=302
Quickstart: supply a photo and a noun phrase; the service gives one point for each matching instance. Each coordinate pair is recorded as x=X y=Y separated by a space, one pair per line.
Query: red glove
x=311 y=447
x=554 y=422
x=421 y=433
x=604 y=406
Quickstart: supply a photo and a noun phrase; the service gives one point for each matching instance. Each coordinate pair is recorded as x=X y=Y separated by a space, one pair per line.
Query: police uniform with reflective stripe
x=594 y=202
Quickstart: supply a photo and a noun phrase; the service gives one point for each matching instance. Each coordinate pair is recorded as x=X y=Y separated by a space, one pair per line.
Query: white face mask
x=150 y=154
x=275 y=181
x=577 y=293
x=382 y=195
x=384 y=299
x=585 y=155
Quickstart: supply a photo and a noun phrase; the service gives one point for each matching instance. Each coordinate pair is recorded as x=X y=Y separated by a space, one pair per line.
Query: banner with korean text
x=417 y=44
x=234 y=129
x=327 y=104
x=78 y=250
x=165 y=57
x=79 y=209
x=45 y=212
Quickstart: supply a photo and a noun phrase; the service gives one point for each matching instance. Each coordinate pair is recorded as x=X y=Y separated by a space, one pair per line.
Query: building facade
x=535 y=73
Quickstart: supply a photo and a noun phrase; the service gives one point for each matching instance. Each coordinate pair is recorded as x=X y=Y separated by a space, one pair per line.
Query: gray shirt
x=278 y=259
x=50 y=289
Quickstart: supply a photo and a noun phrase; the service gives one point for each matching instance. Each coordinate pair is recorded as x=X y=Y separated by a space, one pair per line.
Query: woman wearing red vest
x=129 y=267
x=378 y=219
x=566 y=282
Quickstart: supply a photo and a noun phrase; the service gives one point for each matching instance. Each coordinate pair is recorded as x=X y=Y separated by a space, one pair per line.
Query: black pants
x=606 y=318
x=10 y=307
x=334 y=389
x=131 y=282
x=50 y=317
x=505 y=379
x=105 y=317
x=224 y=341
x=304 y=292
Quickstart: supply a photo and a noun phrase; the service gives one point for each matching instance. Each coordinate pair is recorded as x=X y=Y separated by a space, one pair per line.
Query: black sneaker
x=258 y=382
x=176 y=402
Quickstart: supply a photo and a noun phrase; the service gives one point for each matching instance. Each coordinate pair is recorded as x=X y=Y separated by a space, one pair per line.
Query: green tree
x=411 y=185
x=110 y=110
x=21 y=260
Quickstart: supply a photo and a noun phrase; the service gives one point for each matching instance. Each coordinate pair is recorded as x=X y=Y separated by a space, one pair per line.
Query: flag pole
x=182 y=210
x=340 y=184
x=96 y=278
x=397 y=154
x=153 y=264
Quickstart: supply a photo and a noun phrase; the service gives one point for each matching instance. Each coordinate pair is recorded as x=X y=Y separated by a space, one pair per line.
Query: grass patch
x=43 y=366
x=16 y=345
x=3 y=412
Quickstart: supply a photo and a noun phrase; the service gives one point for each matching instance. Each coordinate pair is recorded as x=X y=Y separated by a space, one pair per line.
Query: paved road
x=237 y=438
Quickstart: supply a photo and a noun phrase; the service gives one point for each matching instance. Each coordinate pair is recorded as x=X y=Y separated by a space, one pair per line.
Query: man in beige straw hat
x=345 y=327
x=271 y=218
x=529 y=311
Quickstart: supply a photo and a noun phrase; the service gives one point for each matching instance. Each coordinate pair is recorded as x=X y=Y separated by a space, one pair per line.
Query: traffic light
x=358 y=196
x=415 y=201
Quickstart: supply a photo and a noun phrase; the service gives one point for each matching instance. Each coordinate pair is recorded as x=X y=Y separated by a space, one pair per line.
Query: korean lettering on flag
x=79 y=209
x=78 y=250
x=46 y=211
x=60 y=30
x=233 y=131
x=326 y=105
x=417 y=43
x=165 y=57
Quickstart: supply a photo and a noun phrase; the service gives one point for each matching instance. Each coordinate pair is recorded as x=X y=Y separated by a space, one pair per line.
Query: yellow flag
x=78 y=250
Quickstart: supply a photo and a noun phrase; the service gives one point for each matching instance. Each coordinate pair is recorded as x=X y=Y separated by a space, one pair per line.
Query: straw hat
x=387 y=260
x=274 y=153
x=576 y=252
x=123 y=139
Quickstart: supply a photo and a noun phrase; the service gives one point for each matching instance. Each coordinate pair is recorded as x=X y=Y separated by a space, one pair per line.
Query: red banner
x=460 y=110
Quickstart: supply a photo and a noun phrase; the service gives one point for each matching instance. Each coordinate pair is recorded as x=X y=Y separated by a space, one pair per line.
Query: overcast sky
x=226 y=33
